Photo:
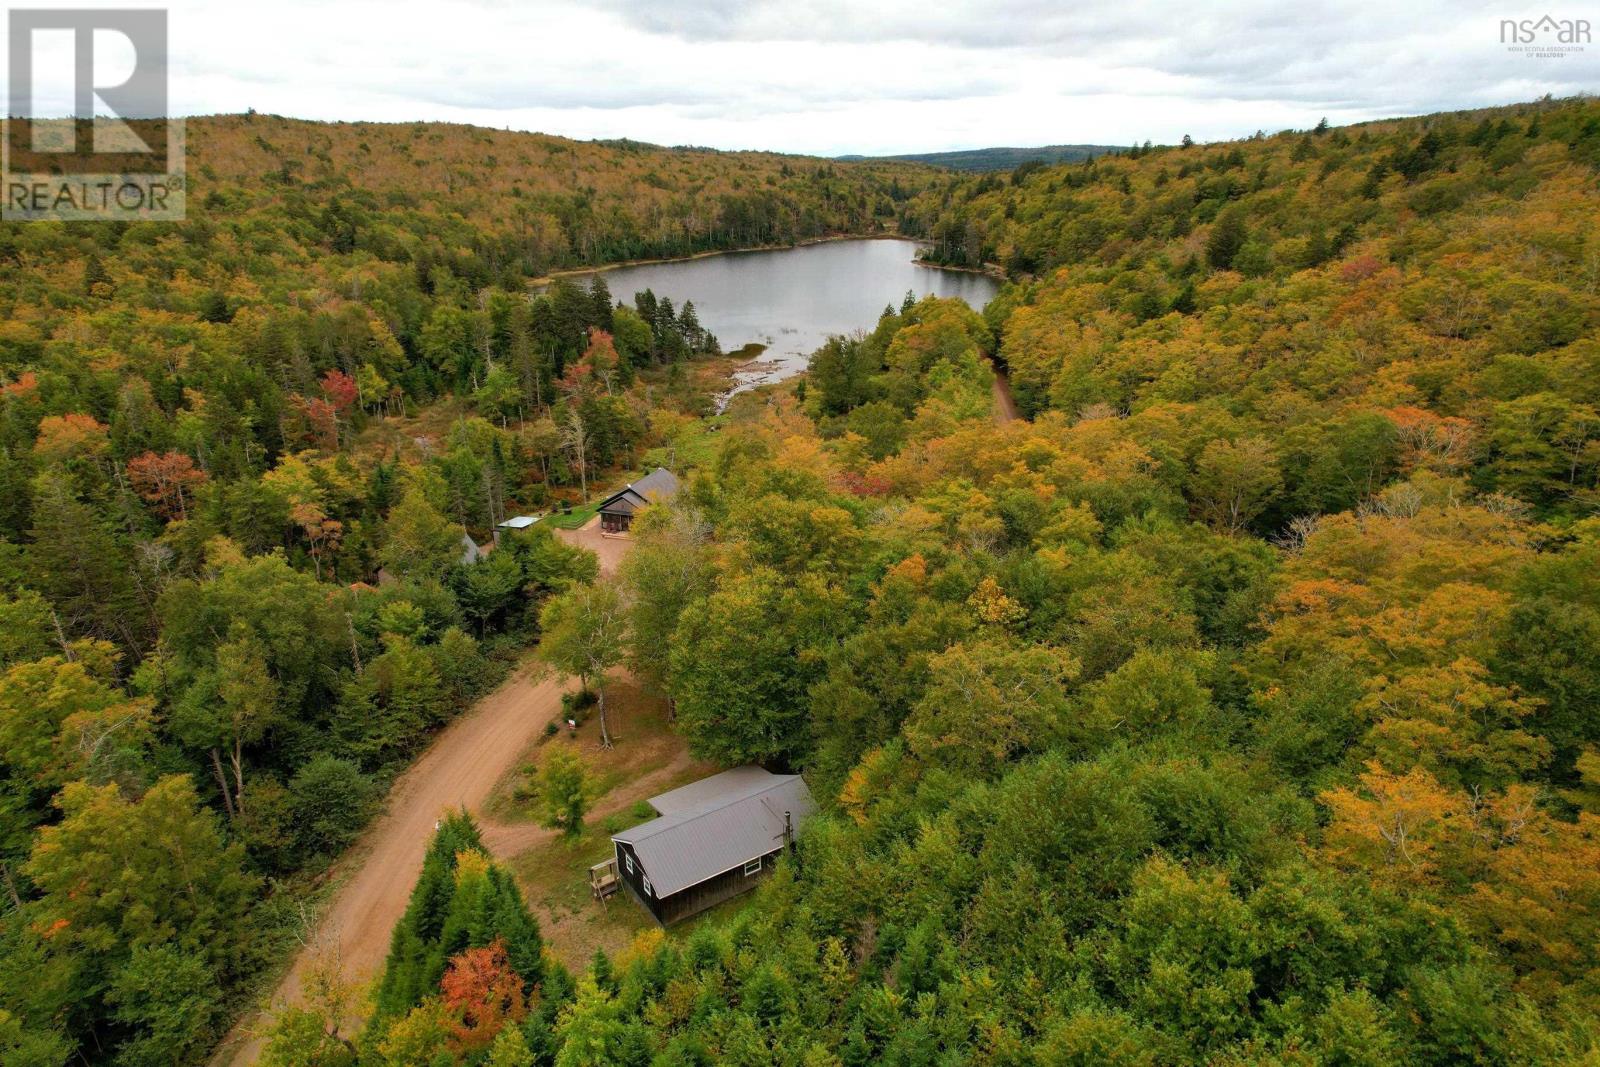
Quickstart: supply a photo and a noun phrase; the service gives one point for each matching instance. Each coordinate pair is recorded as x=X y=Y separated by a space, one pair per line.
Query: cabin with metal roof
x=715 y=838
x=617 y=511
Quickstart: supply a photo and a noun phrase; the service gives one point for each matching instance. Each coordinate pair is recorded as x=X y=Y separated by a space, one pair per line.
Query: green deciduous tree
x=330 y=801
x=563 y=784
x=584 y=635
x=668 y=568
x=988 y=702
x=420 y=542
x=743 y=659
x=170 y=1000
x=127 y=884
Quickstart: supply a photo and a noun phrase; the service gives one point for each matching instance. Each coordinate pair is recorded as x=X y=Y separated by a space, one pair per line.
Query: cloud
x=834 y=76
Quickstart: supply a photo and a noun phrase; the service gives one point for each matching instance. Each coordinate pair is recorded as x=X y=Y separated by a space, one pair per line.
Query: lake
x=793 y=299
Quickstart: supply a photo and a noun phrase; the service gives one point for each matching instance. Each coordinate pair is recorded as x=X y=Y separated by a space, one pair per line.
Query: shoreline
x=988 y=270
x=731 y=384
x=546 y=279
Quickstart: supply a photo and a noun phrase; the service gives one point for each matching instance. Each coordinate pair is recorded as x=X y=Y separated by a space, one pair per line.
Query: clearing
x=459 y=770
x=552 y=868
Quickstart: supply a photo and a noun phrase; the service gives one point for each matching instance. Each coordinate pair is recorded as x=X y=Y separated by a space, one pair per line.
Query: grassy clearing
x=689 y=445
x=555 y=878
x=647 y=758
x=645 y=748
x=574 y=519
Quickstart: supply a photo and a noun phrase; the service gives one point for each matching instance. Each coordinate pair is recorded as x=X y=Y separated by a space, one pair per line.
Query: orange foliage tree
x=484 y=994
x=166 y=480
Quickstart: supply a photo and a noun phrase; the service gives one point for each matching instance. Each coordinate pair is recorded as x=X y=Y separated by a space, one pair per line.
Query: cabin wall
x=632 y=874
x=711 y=892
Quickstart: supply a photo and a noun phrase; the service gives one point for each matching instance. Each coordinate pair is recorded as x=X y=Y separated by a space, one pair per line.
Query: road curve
x=459 y=770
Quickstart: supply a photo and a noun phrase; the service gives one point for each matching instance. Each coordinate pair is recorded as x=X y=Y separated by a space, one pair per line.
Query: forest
x=1236 y=705
x=239 y=456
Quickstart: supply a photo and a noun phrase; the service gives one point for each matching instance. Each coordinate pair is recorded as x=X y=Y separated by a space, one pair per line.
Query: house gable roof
x=715 y=825
x=726 y=786
x=659 y=484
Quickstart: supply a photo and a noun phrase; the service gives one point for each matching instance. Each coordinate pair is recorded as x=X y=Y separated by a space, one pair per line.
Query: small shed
x=618 y=510
x=715 y=838
x=514 y=523
x=518 y=522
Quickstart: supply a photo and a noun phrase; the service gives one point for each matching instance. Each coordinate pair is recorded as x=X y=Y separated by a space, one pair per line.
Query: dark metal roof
x=729 y=785
x=715 y=825
x=659 y=484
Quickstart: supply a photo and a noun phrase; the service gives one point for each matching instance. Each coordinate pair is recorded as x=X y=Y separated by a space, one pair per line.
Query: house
x=715 y=838
x=618 y=509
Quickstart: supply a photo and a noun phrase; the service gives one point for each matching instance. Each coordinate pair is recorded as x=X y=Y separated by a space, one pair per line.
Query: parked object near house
x=716 y=838
x=617 y=511
x=470 y=552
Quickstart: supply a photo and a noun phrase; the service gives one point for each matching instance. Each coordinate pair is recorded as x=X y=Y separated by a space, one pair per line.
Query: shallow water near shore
x=793 y=299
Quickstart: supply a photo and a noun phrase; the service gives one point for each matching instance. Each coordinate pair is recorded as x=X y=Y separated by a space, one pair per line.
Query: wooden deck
x=603 y=880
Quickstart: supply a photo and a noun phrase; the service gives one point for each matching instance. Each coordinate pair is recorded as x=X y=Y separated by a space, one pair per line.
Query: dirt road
x=459 y=770
x=1005 y=408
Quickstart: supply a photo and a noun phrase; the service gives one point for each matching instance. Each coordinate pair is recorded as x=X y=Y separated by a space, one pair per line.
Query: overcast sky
x=842 y=76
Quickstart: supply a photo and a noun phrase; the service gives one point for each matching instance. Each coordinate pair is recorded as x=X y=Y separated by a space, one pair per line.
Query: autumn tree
x=1396 y=824
x=1234 y=480
x=167 y=481
x=484 y=994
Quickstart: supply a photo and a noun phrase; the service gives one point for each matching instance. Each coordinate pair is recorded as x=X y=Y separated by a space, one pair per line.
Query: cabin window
x=648 y=888
x=752 y=866
x=627 y=862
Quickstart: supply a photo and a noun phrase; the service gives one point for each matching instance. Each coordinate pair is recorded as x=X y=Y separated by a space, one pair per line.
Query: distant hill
x=986 y=159
x=542 y=202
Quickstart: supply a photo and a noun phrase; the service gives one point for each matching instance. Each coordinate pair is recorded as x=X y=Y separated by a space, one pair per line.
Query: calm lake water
x=792 y=299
